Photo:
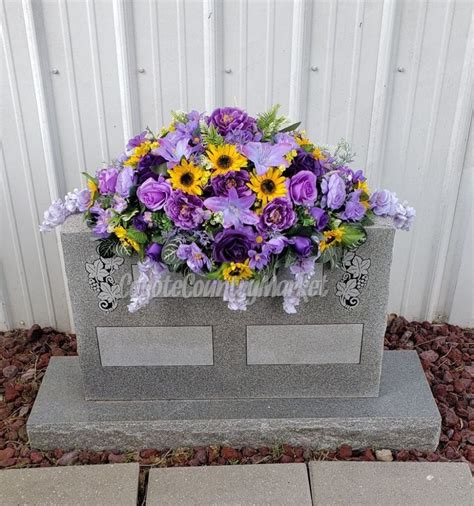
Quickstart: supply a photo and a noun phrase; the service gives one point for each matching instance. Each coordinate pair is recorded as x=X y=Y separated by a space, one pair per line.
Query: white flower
x=54 y=216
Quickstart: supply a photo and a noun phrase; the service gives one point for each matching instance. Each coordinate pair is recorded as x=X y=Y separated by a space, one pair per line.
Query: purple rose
x=107 y=180
x=321 y=218
x=125 y=181
x=383 y=203
x=278 y=215
x=233 y=245
x=303 y=188
x=336 y=191
x=354 y=209
x=146 y=165
x=230 y=119
x=234 y=179
x=185 y=210
x=302 y=245
x=305 y=161
x=154 y=194
x=153 y=251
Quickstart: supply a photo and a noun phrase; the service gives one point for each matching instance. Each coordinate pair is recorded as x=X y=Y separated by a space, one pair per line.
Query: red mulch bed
x=446 y=352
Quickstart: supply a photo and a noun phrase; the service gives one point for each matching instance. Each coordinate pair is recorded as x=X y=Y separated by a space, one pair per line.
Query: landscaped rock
x=34 y=333
x=384 y=455
x=10 y=371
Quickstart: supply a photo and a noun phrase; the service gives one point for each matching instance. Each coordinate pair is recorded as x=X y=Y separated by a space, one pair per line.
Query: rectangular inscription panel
x=304 y=344
x=155 y=346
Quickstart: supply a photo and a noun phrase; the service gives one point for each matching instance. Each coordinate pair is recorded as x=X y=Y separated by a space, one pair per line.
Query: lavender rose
x=233 y=179
x=107 y=180
x=305 y=161
x=303 y=188
x=302 y=245
x=228 y=119
x=185 y=210
x=278 y=215
x=321 y=218
x=354 y=210
x=154 y=194
x=125 y=181
x=153 y=251
x=383 y=203
x=336 y=191
x=233 y=245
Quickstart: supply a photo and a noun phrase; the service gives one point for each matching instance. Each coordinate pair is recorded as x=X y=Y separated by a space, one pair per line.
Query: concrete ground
x=319 y=483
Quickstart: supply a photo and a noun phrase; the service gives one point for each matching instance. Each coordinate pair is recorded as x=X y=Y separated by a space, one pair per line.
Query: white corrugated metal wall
x=80 y=77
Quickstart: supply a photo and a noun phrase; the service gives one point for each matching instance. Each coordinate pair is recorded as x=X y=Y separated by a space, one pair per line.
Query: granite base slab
x=403 y=416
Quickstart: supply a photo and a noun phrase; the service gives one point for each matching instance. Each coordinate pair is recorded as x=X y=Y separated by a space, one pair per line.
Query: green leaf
x=290 y=128
x=209 y=135
x=169 y=253
x=129 y=215
x=137 y=235
x=90 y=178
x=354 y=236
x=217 y=274
x=107 y=247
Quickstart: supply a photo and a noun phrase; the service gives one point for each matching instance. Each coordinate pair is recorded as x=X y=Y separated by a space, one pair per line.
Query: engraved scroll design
x=103 y=283
x=354 y=279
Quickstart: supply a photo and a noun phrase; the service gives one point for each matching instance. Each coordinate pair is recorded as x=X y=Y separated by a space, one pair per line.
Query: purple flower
x=335 y=190
x=125 y=181
x=233 y=179
x=230 y=119
x=146 y=166
x=119 y=204
x=404 y=216
x=321 y=218
x=354 y=209
x=258 y=260
x=140 y=223
x=185 y=210
x=305 y=161
x=137 y=140
x=302 y=245
x=54 y=216
x=77 y=201
x=107 y=180
x=275 y=245
x=83 y=200
x=241 y=137
x=235 y=209
x=383 y=203
x=265 y=155
x=153 y=251
x=303 y=188
x=278 y=215
x=233 y=245
x=172 y=152
x=102 y=222
x=194 y=256
x=154 y=194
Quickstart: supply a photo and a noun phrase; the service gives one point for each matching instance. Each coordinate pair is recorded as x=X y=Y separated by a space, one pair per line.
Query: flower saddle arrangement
x=233 y=198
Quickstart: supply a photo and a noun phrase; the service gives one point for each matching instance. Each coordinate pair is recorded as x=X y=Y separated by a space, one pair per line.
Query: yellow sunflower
x=93 y=191
x=188 y=177
x=225 y=158
x=237 y=272
x=121 y=233
x=268 y=186
x=331 y=238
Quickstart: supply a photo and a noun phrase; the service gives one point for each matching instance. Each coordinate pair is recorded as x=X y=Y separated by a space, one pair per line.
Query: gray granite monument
x=189 y=371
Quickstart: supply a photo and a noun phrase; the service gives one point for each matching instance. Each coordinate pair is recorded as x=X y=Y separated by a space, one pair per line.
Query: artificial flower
x=154 y=194
x=188 y=177
x=278 y=215
x=233 y=244
x=237 y=272
x=268 y=186
x=225 y=158
x=331 y=238
x=235 y=210
x=265 y=155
